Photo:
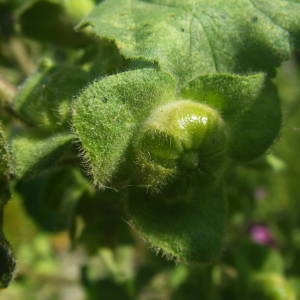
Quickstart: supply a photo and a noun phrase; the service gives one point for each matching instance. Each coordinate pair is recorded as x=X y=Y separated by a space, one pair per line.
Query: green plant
x=159 y=101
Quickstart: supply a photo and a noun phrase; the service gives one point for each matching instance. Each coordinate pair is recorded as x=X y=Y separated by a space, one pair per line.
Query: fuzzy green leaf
x=7 y=260
x=45 y=98
x=248 y=104
x=256 y=128
x=196 y=37
x=5 y=168
x=107 y=112
x=35 y=153
x=186 y=226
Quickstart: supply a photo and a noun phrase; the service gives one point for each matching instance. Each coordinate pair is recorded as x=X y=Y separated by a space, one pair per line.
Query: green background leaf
x=8 y=263
x=58 y=21
x=196 y=37
x=50 y=199
x=45 y=98
x=5 y=168
x=34 y=153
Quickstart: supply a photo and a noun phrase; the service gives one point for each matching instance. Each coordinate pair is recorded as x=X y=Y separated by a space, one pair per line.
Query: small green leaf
x=57 y=22
x=34 y=153
x=252 y=258
x=196 y=37
x=8 y=263
x=187 y=225
x=107 y=112
x=50 y=199
x=229 y=94
x=5 y=171
x=7 y=260
x=5 y=159
x=256 y=128
x=45 y=98
x=248 y=104
x=77 y=9
x=103 y=217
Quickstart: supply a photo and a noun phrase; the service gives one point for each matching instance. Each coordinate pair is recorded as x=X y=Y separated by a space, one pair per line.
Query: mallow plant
x=157 y=102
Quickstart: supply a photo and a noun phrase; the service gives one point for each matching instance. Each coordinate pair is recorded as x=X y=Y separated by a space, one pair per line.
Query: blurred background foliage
x=73 y=243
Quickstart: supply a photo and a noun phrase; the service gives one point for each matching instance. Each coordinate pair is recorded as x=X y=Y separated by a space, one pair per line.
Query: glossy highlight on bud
x=180 y=136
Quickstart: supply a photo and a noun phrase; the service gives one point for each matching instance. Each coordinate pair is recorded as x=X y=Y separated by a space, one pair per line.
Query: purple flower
x=261 y=234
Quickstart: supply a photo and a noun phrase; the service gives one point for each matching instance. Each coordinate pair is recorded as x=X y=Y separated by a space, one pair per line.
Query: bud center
x=190 y=160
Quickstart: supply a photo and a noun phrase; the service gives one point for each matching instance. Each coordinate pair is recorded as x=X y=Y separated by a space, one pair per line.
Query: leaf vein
x=209 y=42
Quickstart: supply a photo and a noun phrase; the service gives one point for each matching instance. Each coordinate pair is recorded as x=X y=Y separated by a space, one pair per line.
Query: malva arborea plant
x=172 y=96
